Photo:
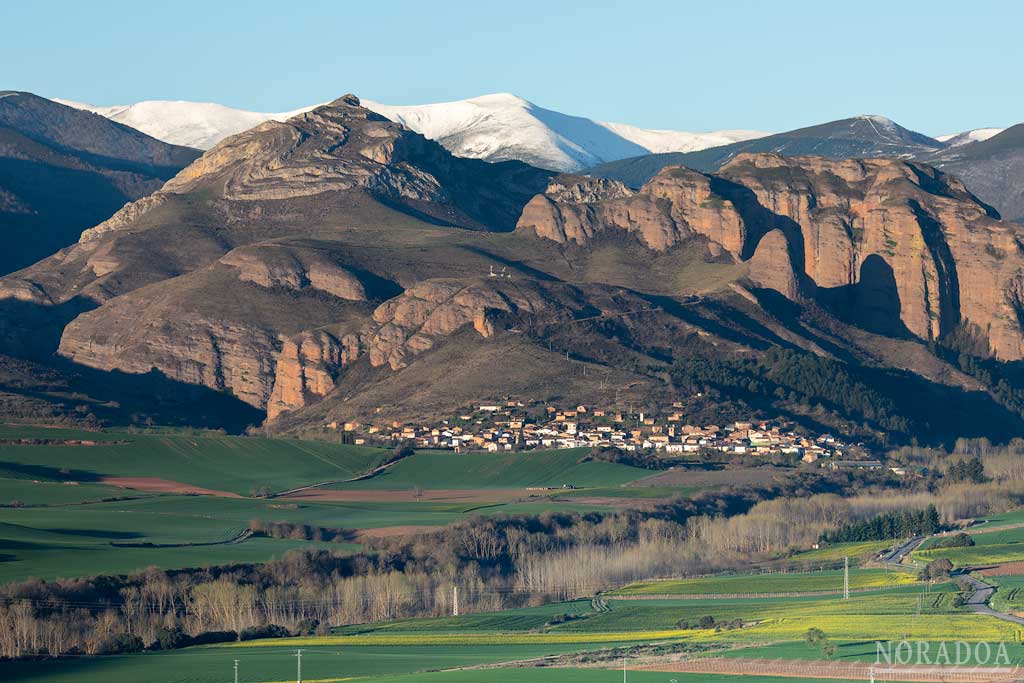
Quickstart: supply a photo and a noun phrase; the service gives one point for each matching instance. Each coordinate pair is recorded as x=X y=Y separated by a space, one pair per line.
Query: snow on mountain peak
x=975 y=135
x=494 y=127
x=193 y=124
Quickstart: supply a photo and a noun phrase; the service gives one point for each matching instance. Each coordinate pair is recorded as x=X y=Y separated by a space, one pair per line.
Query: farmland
x=445 y=470
x=776 y=582
x=64 y=518
x=71 y=520
x=222 y=463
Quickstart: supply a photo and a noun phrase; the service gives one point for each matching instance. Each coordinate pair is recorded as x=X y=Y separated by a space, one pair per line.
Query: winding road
x=983 y=592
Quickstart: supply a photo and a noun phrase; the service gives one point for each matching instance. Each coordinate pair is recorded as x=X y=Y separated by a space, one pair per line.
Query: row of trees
x=889 y=525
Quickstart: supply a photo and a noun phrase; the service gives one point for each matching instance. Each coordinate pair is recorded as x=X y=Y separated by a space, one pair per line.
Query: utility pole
x=455 y=601
x=623 y=670
x=846 y=578
x=236 y=671
x=298 y=666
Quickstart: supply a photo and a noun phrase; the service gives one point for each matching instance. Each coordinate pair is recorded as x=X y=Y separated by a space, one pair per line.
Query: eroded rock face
x=415 y=322
x=772 y=267
x=233 y=358
x=296 y=268
x=893 y=239
x=674 y=205
x=897 y=246
x=307 y=366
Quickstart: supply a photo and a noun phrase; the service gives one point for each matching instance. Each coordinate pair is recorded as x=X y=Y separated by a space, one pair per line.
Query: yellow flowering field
x=968 y=627
x=521 y=638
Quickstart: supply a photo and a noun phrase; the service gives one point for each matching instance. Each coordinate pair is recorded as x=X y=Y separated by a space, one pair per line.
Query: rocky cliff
x=895 y=246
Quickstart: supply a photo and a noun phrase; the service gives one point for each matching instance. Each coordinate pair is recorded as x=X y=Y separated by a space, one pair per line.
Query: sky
x=937 y=67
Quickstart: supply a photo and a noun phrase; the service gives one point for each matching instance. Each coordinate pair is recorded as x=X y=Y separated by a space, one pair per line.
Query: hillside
x=858 y=137
x=992 y=168
x=63 y=170
x=338 y=266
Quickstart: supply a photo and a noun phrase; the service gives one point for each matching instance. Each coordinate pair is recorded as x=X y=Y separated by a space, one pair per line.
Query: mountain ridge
x=494 y=127
x=63 y=170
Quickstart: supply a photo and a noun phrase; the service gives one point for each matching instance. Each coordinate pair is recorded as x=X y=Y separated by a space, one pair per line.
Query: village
x=511 y=426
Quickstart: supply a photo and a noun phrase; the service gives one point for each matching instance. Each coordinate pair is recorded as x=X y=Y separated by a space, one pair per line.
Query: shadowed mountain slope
x=63 y=170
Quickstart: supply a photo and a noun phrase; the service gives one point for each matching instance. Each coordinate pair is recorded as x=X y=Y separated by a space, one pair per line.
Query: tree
x=815 y=636
x=936 y=569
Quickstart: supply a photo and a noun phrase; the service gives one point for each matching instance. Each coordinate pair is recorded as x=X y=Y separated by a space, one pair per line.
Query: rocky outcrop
x=413 y=323
x=772 y=267
x=907 y=244
x=234 y=358
x=676 y=204
x=306 y=368
x=295 y=268
x=893 y=245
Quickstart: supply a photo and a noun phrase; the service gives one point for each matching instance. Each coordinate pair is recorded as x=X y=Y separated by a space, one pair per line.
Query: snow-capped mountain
x=192 y=124
x=503 y=126
x=492 y=127
x=976 y=135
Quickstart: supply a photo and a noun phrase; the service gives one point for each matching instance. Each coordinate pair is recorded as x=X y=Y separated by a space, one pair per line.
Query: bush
x=171 y=639
x=707 y=621
x=211 y=637
x=960 y=540
x=120 y=643
x=307 y=627
x=561 y=619
x=259 y=632
x=936 y=569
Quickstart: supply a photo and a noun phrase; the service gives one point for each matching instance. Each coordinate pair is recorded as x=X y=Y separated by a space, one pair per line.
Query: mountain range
x=494 y=127
x=989 y=160
x=338 y=266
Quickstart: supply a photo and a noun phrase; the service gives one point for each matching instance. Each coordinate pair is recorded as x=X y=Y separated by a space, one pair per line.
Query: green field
x=76 y=540
x=330 y=665
x=214 y=664
x=445 y=470
x=863 y=550
x=770 y=583
x=991 y=547
x=213 y=461
x=63 y=523
x=15 y=491
x=62 y=529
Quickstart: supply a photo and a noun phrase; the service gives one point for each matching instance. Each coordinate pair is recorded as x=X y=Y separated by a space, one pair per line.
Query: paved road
x=896 y=555
x=978 y=602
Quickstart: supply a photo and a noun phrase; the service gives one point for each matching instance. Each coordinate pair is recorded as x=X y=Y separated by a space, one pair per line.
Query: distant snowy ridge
x=193 y=124
x=492 y=127
x=976 y=135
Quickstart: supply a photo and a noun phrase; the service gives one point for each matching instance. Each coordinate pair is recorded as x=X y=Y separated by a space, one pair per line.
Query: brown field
x=740 y=666
x=394 y=531
x=1004 y=569
x=699 y=477
x=157 y=485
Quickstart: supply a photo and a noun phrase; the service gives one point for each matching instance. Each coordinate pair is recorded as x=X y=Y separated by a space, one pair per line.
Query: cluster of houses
x=510 y=426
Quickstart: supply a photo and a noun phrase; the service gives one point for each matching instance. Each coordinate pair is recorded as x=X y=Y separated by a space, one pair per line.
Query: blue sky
x=937 y=66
